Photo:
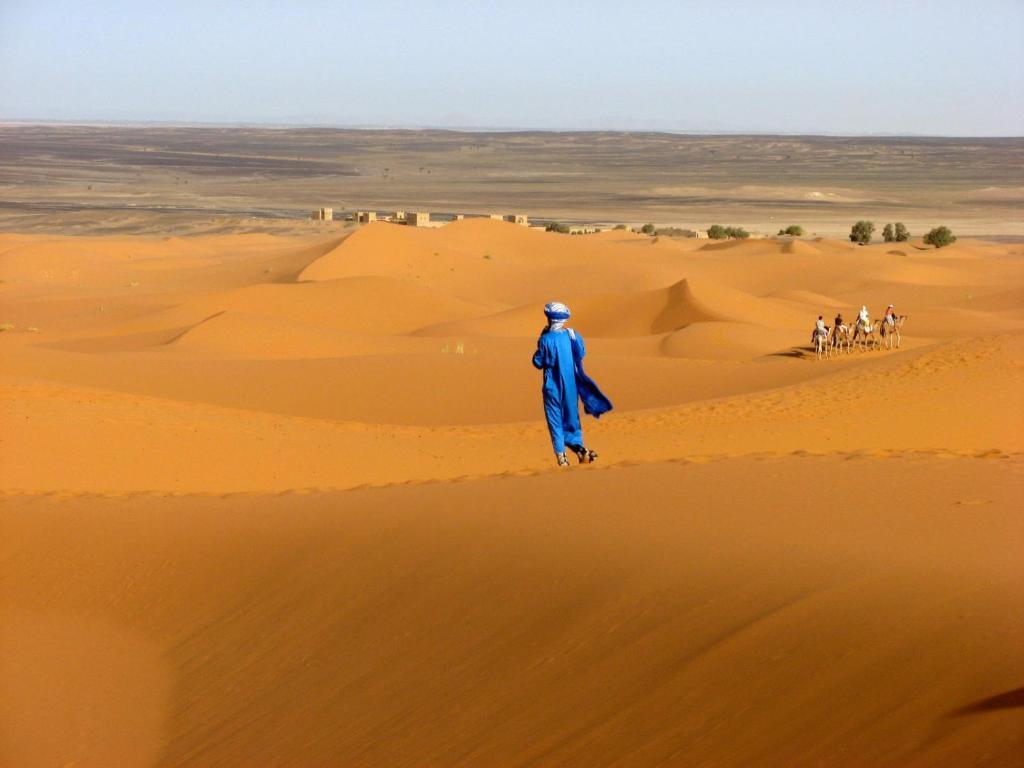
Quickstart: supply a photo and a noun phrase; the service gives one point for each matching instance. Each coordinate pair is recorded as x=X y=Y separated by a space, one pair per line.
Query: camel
x=892 y=330
x=867 y=335
x=821 y=345
x=840 y=336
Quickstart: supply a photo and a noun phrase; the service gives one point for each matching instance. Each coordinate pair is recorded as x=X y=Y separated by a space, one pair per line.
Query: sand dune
x=289 y=500
x=1011 y=300
x=232 y=334
x=638 y=313
x=81 y=261
x=498 y=261
x=953 y=399
x=466 y=624
x=725 y=341
x=382 y=348
x=808 y=298
x=358 y=305
x=736 y=246
x=801 y=247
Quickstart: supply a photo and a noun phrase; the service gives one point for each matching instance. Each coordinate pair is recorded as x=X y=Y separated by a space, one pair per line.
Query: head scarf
x=556 y=313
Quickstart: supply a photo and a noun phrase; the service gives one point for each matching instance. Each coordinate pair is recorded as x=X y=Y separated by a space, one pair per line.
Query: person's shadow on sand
x=798 y=352
x=1008 y=700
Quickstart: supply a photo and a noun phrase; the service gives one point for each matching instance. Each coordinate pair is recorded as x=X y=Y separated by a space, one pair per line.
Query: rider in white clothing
x=864 y=318
x=820 y=329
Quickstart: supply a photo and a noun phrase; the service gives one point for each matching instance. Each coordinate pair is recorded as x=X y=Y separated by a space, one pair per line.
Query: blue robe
x=560 y=356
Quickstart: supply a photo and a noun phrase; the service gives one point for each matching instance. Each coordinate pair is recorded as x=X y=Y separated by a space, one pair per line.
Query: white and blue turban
x=557 y=313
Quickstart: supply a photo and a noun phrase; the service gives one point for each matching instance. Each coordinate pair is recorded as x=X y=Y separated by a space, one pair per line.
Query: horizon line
x=284 y=125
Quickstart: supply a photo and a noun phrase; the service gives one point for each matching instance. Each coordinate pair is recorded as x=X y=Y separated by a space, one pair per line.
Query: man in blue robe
x=559 y=355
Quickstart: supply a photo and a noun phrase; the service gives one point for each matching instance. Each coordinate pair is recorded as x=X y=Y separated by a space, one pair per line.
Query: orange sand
x=777 y=561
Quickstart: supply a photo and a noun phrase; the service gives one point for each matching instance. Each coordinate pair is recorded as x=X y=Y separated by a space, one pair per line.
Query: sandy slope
x=780 y=561
x=546 y=620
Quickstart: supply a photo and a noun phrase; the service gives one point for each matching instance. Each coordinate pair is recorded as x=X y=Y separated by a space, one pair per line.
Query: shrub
x=861 y=232
x=619 y=226
x=793 y=229
x=902 y=233
x=718 y=232
x=554 y=226
x=940 y=237
x=887 y=233
x=647 y=229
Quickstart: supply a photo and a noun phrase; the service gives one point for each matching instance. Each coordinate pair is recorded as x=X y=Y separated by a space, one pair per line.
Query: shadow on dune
x=798 y=352
x=1009 y=700
x=293 y=265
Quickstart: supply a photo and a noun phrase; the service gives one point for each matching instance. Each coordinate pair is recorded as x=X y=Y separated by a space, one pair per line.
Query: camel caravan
x=863 y=334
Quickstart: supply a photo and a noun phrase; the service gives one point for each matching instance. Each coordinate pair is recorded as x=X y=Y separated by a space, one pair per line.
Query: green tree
x=793 y=229
x=861 y=232
x=902 y=233
x=619 y=226
x=554 y=226
x=718 y=232
x=887 y=233
x=940 y=237
x=647 y=229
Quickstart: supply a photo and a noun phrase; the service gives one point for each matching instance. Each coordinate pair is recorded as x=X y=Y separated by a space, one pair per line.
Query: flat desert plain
x=74 y=179
x=278 y=499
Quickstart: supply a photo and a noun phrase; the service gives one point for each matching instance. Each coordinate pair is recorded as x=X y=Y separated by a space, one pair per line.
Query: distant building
x=700 y=234
x=417 y=218
x=323 y=214
x=364 y=217
x=495 y=217
x=459 y=217
x=399 y=216
x=518 y=218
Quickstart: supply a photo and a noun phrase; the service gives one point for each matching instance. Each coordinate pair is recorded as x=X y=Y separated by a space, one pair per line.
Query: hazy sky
x=845 y=66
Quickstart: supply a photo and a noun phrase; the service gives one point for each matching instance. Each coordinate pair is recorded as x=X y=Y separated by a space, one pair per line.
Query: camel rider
x=820 y=329
x=863 y=318
x=836 y=324
x=890 y=316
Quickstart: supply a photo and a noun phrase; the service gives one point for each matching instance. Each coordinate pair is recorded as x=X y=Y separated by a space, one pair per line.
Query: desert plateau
x=159 y=180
